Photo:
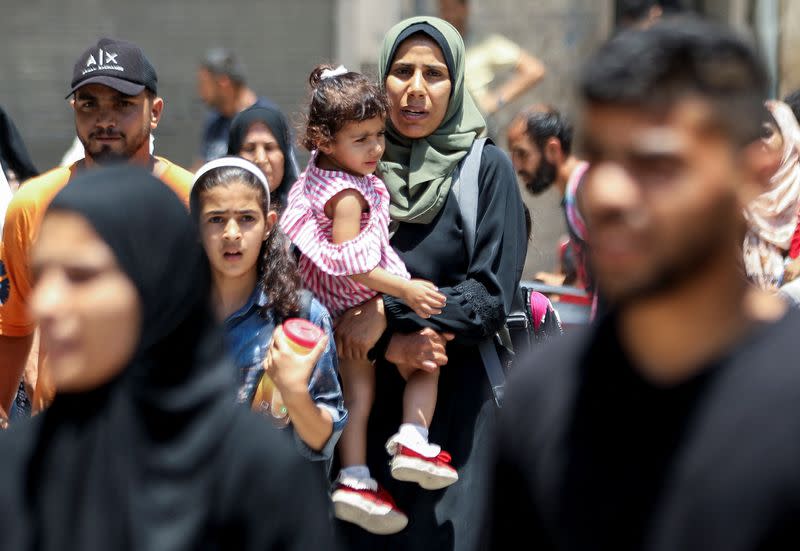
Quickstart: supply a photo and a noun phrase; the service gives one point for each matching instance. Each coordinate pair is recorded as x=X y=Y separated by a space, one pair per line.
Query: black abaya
x=159 y=458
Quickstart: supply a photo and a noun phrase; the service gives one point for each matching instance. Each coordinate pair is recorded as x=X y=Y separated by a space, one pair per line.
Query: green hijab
x=419 y=172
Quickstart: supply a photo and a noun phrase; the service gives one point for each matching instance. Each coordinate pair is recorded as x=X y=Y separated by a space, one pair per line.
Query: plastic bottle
x=302 y=336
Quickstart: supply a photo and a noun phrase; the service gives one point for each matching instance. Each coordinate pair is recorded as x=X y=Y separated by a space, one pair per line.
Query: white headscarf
x=772 y=216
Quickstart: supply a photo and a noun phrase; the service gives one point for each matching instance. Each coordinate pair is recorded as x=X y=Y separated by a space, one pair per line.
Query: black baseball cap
x=117 y=64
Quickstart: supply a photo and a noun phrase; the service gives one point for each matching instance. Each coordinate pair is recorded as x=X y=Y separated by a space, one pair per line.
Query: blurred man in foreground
x=671 y=423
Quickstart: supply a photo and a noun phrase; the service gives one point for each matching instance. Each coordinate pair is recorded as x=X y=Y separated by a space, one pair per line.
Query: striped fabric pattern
x=325 y=266
x=574 y=218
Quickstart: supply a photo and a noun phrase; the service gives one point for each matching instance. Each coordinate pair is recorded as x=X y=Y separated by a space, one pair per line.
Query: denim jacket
x=248 y=336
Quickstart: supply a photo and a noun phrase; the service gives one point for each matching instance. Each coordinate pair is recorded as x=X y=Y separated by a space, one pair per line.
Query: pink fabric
x=574 y=217
x=325 y=266
x=540 y=305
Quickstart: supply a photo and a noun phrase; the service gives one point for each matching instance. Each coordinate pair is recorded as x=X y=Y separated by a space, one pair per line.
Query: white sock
x=360 y=472
x=414 y=432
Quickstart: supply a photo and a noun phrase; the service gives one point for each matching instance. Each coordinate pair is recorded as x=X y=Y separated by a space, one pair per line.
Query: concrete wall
x=280 y=41
x=789 y=48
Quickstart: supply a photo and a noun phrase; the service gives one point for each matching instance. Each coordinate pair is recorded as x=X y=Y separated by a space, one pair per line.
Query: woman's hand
x=289 y=370
x=425 y=350
x=358 y=329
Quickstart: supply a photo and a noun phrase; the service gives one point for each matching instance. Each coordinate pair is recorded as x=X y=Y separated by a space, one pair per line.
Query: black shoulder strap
x=466 y=189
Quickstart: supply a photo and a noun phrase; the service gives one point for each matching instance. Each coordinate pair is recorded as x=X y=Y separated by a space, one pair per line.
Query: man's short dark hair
x=634 y=10
x=793 y=100
x=541 y=125
x=222 y=61
x=679 y=59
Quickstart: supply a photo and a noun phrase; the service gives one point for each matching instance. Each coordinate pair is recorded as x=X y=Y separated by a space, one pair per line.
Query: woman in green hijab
x=432 y=127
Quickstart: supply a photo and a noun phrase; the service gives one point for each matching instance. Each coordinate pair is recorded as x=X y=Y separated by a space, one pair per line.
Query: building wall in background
x=279 y=41
x=789 y=49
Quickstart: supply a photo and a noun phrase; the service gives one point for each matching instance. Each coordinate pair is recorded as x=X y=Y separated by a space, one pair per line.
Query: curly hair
x=337 y=100
x=277 y=270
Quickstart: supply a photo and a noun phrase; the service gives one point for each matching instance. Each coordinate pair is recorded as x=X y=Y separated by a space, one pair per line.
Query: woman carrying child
x=337 y=216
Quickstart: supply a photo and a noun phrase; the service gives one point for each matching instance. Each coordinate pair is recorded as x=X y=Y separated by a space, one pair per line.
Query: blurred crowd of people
x=251 y=355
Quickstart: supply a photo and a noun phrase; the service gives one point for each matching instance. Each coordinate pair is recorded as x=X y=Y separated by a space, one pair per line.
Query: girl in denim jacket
x=255 y=288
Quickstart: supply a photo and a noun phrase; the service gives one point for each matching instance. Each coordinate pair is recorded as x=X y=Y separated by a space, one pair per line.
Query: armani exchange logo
x=106 y=61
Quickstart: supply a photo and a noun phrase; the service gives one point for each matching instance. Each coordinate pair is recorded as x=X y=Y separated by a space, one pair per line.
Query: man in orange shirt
x=115 y=99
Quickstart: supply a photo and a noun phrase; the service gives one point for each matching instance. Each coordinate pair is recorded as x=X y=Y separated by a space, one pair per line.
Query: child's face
x=358 y=146
x=232 y=227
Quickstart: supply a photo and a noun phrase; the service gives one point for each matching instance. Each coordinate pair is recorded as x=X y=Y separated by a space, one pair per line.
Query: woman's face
x=418 y=86
x=232 y=228
x=88 y=310
x=261 y=147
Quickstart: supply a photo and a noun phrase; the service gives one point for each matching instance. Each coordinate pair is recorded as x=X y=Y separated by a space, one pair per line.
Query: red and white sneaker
x=432 y=473
x=368 y=506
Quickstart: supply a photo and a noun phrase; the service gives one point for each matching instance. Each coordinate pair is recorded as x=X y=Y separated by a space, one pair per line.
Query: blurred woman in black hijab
x=14 y=156
x=143 y=447
x=15 y=165
x=262 y=136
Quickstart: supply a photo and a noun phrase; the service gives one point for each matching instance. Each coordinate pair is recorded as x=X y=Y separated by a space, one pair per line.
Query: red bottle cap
x=302 y=332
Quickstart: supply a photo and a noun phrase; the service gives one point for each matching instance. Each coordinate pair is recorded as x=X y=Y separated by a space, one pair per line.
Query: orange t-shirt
x=23 y=219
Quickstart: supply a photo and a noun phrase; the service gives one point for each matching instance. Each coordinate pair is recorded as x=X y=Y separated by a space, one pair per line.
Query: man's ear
x=224 y=82
x=156 y=108
x=552 y=152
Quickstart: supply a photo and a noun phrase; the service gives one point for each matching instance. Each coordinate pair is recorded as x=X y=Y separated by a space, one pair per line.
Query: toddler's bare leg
x=419 y=398
x=358 y=379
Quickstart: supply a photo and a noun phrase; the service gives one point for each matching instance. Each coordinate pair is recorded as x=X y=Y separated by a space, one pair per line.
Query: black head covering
x=13 y=153
x=277 y=123
x=119 y=467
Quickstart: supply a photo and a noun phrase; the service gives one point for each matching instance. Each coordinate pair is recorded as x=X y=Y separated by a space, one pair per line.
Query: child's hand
x=289 y=370
x=424 y=298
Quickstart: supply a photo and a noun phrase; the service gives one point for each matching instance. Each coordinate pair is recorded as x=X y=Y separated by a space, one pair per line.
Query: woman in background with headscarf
x=772 y=216
x=262 y=136
x=432 y=126
x=143 y=447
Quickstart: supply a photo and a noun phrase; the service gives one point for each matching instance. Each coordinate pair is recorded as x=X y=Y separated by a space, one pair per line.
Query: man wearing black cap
x=115 y=99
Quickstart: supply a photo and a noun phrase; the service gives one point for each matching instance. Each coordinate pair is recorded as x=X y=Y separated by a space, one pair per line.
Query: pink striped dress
x=325 y=266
